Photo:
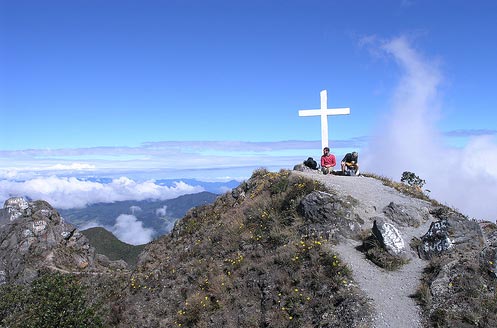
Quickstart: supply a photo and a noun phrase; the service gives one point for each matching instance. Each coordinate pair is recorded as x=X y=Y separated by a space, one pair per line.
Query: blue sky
x=211 y=89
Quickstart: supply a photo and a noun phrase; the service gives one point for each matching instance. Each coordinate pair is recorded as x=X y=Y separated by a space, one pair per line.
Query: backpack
x=311 y=163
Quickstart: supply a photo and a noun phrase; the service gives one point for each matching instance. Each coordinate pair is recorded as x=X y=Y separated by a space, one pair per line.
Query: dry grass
x=373 y=250
x=470 y=299
x=236 y=258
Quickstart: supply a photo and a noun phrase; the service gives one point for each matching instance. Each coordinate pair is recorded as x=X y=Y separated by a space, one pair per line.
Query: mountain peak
x=300 y=249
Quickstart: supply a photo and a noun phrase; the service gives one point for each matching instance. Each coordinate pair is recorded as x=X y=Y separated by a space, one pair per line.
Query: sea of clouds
x=71 y=192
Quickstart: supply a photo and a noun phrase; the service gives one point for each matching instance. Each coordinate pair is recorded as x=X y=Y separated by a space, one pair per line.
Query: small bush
x=412 y=180
x=53 y=300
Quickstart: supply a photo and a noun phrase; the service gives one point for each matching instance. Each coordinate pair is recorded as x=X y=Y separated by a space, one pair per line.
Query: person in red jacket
x=328 y=161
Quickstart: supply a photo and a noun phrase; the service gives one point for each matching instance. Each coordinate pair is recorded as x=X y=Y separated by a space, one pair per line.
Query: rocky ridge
x=286 y=249
x=34 y=237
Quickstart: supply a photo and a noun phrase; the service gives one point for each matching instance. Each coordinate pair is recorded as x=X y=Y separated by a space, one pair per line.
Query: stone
x=406 y=216
x=451 y=230
x=238 y=193
x=16 y=202
x=303 y=168
x=83 y=264
x=326 y=214
x=435 y=241
x=15 y=208
x=388 y=236
x=66 y=234
x=3 y=277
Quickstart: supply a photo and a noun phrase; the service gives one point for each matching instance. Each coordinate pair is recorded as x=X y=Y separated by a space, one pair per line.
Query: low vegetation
x=243 y=262
x=411 y=179
x=107 y=244
x=52 y=300
x=458 y=292
x=377 y=254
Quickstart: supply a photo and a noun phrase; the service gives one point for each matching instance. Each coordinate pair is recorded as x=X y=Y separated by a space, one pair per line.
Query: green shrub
x=412 y=179
x=53 y=300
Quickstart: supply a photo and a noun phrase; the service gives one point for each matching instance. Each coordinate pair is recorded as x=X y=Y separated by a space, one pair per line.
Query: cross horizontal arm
x=319 y=112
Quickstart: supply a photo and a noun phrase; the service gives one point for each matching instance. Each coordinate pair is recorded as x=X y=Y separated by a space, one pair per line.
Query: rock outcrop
x=33 y=236
x=327 y=215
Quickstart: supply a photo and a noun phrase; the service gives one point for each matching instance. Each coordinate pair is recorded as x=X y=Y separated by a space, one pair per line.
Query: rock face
x=33 y=236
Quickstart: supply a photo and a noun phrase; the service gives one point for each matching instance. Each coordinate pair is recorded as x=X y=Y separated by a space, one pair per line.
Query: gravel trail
x=388 y=291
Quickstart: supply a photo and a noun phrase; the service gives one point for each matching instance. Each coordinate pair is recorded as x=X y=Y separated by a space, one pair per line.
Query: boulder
x=452 y=229
x=389 y=237
x=406 y=216
x=435 y=241
x=325 y=214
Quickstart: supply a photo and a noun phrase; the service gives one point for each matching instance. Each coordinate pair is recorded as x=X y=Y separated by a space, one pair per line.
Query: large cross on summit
x=324 y=112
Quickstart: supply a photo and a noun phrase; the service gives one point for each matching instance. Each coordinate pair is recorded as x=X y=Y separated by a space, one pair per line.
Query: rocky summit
x=283 y=249
x=33 y=237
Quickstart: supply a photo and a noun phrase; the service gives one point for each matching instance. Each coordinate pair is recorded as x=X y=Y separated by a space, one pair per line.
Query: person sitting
x=350 y=164
x=328 y=161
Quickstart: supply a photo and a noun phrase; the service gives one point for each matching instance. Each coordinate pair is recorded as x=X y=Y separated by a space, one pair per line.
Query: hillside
x=248 y=260
x=299 y=249
x=107 y=244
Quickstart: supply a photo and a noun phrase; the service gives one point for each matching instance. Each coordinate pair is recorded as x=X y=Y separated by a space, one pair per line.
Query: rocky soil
x=389 y=291
x=469 y=258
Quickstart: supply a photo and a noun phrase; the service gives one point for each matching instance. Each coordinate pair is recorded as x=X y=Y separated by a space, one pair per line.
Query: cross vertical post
x=324 y=112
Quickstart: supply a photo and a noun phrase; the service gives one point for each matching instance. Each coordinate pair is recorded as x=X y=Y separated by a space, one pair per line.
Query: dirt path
x=388 y=291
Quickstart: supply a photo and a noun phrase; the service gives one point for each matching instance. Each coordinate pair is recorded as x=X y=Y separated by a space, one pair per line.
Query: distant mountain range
x=159 y=215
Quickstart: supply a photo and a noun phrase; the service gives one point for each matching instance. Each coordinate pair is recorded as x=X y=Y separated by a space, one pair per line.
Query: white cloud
x=135 y=209
x=161 y=211
x=89 y=225
x=72 y=166
x=408 y=140
x=129 y=230
x=63 y=192
x=167 y=156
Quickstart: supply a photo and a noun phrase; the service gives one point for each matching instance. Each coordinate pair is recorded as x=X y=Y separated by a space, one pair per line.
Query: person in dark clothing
x=350 y=162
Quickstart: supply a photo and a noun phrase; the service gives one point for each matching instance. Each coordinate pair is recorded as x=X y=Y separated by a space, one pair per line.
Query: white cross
x=324 y=112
